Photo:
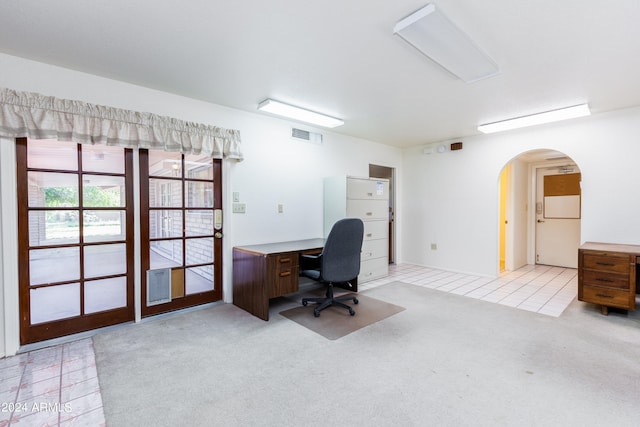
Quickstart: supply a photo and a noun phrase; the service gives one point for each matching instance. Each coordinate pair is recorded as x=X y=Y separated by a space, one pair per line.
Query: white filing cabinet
x=367 y=199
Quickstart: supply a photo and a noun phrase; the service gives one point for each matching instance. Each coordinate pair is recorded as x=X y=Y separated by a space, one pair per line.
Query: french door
x=181 y=230
x=75 y=237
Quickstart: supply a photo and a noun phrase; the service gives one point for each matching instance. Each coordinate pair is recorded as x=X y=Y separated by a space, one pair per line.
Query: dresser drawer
x=604 y=279
x=607 y=297
x=617 y=263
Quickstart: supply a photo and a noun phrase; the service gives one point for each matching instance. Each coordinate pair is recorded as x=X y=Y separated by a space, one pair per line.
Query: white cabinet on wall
x=367 y=199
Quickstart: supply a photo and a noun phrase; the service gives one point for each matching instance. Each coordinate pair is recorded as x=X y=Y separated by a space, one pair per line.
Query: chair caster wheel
x=316 y=313
x=305 y=302
x=352 y=312
x=355 y=300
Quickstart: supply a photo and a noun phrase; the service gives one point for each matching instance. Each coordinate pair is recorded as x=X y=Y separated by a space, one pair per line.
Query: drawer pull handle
x=609 y=264
x=369 y=213
x=604 y=296
x=284 y=260
x=604 y=279
x=369 y=234
x=370 y=194
x=285 y=274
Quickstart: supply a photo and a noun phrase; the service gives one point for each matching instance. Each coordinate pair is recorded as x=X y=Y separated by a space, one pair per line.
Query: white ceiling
x=341 y=58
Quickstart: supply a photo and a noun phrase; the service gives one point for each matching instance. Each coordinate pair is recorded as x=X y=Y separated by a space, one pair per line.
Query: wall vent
x=158 y=286
x=304 y=135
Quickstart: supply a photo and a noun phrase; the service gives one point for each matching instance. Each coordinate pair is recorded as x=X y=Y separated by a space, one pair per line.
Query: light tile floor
x=540 y=288
x=58 y=386
x=55 y=386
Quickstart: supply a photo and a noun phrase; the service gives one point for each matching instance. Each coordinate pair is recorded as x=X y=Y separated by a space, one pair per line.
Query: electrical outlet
x=434 y=246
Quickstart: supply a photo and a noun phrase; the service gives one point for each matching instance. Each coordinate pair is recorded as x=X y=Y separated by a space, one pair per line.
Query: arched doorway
x=539 y=210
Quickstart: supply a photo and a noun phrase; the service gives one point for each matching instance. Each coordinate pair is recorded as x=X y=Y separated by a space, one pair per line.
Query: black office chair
x=339 y=262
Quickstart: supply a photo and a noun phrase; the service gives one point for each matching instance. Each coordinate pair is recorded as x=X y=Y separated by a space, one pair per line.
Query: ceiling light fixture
x=297 y=113
x=434 y=35
x=537 y=119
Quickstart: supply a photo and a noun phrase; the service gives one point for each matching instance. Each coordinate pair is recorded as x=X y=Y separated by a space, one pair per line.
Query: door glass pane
x=102 y=158
x=199 y=223
x=50 y=189
x=199 y=194
x=102 y=226
x=165 y=193
x=199 y=251
x=54 y=265
x=103 y=191
x=164 y=223
x=105 y=260
x=54 y=302
x=198 y=166
x=165 y=254
x=162 y=163
x=199 y=279
x=52 y=154
x=105 y=294
x=47 y=228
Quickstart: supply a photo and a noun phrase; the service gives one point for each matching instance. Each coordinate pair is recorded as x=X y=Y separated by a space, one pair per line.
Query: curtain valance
x=26 y=114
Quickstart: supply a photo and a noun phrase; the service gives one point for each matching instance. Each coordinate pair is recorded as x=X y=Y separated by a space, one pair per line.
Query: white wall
x=276 y=169
x=452 y=198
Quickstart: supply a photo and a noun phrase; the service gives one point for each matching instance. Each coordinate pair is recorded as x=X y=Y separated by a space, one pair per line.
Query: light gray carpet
x=336 y=322
x=446 y=360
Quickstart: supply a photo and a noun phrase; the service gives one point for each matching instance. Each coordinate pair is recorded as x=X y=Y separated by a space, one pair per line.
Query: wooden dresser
x=607 y=275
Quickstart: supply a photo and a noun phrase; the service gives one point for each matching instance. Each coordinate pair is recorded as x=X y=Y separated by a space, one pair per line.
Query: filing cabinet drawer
x=607 y=297
x=368 y=209
x=373 y=269
x=374 y=249
x=617 y=263
x=359 y=188
x=608 y=280
x=376 y=230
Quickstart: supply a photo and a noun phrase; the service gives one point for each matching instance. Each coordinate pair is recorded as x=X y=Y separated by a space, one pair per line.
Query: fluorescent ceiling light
x=431 y=32
x=297 y=113
x=537 y=119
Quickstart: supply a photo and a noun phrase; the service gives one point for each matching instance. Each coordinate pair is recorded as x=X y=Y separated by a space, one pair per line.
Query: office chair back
x=341 y=253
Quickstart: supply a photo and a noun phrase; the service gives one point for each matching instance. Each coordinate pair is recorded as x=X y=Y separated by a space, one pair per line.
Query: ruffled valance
x=25 y=114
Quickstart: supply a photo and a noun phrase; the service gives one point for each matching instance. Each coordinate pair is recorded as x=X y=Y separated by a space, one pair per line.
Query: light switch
x=280 y=208
x=236 y=197
x=239 y=208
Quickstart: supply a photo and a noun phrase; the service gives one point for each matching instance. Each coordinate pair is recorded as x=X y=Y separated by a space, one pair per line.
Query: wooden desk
x=261 y=272
x=607 y=275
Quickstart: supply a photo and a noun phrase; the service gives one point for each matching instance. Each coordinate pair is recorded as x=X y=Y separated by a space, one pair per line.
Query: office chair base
x=330 y=300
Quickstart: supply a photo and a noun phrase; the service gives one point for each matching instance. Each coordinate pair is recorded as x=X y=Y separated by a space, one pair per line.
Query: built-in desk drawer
x=285 y=274
x=617 y=263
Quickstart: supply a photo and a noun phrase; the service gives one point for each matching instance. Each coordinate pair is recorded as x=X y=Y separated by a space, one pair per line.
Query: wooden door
x=181 y=230
x=75 y=237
